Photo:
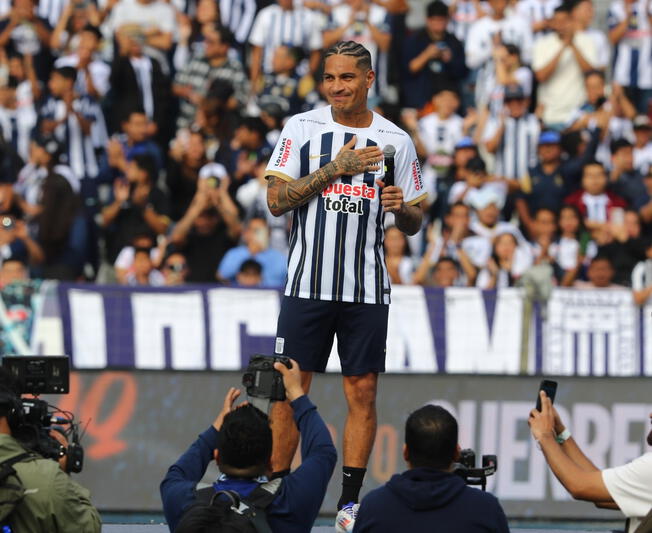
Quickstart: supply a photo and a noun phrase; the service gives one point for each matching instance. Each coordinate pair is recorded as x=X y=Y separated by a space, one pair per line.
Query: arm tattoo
x=285 y=196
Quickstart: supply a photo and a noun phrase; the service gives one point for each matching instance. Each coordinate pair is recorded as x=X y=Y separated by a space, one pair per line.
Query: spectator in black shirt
x=432 y=57
x=625 y=180
x=206 y=232
x=138 y=206
x=547 y=188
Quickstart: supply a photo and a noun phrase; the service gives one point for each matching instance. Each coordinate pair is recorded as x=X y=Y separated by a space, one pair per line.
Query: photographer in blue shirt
x=240 y=441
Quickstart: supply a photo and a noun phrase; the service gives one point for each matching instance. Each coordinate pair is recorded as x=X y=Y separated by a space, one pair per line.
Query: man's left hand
x=227 y=407
x=542 y=424
x=391 y=197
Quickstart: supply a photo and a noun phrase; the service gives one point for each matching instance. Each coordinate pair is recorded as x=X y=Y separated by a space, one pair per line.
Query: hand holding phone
x=550 y=388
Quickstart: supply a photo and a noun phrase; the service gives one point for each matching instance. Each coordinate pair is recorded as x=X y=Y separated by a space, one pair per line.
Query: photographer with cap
x=429 y=492
x=52 y=501
x=240 y=441
x=625 y=487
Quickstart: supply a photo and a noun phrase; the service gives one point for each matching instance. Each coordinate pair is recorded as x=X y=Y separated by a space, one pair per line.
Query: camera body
x=32 y=424
x=471 y=475
x=262 y=380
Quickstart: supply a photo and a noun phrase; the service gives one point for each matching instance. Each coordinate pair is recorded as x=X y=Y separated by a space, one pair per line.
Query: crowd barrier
x=457 y=330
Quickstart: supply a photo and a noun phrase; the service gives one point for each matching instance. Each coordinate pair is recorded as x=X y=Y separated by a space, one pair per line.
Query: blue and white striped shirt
x=336 y=241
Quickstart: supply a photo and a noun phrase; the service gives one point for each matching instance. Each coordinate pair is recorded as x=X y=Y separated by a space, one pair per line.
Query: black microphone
x=388 y=153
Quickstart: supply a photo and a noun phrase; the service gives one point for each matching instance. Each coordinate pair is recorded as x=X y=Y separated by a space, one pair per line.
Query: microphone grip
x=389 y=171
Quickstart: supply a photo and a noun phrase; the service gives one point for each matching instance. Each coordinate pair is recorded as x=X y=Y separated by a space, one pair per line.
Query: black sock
x=280 y=473
x=352 y=479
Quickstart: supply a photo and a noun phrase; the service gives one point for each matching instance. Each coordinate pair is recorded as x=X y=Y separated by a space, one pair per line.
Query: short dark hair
x=476 y=164
x=595 y=72
x=69 y=73
x=564 y=7
x=437 y=9
x=447 y=259
x=254 y=124
x=147 y=163
x=251 y=266
x=353 y=49
x=602 y=257
x=431 y=437
x=618 y=144
x=245 y=440
x=94 y=30
x=226 y=35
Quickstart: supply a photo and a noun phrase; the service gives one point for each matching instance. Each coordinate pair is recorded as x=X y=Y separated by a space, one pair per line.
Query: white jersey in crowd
x=275 y=26
x=537 y=11
x=643 y=158
x=16 y=126
x=513 y=29
x=517 y=151
x=464 y=16
x=238 y=16
x=336 y=241
x=642 y=275
x=439 y=137
x=632 y=66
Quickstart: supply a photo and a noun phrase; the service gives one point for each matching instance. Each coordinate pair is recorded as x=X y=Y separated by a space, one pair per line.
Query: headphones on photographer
x=15 y=415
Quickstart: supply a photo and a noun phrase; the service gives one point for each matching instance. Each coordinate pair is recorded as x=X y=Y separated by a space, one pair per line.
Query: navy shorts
x=306 y=329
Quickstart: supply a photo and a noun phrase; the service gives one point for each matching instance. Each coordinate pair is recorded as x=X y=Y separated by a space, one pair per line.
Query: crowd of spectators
x=134 y=136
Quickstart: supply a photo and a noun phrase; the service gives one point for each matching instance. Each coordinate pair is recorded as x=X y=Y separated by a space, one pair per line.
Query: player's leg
x=359 y=433
x=361 y=338
x=305 y=333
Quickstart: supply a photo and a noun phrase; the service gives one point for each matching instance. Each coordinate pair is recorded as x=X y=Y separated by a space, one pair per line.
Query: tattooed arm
x=285 y=196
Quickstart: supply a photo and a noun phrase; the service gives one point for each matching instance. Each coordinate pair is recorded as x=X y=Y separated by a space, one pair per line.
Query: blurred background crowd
x=134 y=136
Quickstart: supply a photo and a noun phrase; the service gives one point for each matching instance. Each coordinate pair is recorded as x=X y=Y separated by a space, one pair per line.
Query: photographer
x=429 y=492
x=625 y=487
x=240 y=440
x=52 y=502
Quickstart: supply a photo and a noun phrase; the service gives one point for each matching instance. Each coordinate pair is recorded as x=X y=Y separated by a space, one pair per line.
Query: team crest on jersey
x=347 y=198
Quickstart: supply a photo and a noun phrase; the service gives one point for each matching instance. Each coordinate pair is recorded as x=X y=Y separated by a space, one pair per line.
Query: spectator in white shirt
x=583 y=14
x=489 y=32
x=560 y=61
x=625 y=487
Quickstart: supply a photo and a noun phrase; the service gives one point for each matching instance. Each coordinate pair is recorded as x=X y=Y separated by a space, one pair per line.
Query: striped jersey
x=274 y=26
x=633 y=53
x=517 y=151
x=336 y=240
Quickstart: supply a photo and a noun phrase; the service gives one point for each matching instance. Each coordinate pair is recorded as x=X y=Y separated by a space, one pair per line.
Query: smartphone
x=550 y=388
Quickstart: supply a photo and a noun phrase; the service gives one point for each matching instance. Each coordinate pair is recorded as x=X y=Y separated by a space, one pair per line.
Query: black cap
x=49 y=143
x=514 y=92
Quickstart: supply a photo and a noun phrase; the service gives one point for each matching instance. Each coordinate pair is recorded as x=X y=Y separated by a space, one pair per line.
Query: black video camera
x=262 y=380
x=45 y=375
x=471 y=475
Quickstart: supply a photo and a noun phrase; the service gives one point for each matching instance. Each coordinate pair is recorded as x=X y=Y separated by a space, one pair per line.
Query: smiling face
x=345 y=84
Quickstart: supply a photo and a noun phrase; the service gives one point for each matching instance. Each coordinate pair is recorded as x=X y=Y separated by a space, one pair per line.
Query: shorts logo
x=280 y=345
x=283 y=157
x=416 y=175
x=352 y=201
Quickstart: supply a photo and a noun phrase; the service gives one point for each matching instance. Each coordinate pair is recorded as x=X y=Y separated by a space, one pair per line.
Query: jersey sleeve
x=285 y=162
x=407 y=172
x=629 y=485
x=258 y=30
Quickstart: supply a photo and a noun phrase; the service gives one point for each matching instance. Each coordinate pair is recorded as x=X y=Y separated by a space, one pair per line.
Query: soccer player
x=327 y=169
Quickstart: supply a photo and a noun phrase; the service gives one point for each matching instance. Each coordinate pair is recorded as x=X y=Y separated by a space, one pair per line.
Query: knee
x=361 y=390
